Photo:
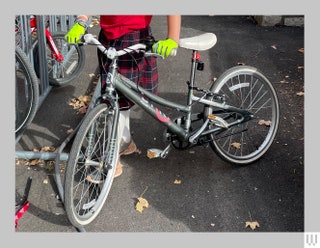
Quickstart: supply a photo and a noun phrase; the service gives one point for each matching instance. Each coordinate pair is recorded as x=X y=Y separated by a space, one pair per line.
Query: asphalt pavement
x=213 y=196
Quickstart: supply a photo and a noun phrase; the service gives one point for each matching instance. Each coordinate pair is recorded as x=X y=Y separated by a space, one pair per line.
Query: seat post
x=194 y=60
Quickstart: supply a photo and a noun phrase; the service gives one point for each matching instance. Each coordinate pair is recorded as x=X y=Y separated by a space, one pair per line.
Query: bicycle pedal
x=218 y=121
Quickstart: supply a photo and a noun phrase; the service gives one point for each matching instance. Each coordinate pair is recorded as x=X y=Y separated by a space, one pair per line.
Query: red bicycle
x=64 y=61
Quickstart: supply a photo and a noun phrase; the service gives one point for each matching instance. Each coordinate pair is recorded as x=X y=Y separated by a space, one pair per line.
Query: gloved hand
x=74 y=34
x=164 y=47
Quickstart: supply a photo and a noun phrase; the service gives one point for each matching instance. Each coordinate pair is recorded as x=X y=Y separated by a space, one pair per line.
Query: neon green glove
x=74 y=34
x=164 y=47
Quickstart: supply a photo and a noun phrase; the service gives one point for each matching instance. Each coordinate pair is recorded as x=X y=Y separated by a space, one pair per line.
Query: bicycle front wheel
x=246 y=88
x=27 y=92
x=91 y=166
x=61 y=72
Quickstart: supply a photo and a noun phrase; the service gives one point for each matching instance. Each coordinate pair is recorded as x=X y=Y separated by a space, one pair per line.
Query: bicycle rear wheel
x=246 y=88
x=27 y=92
x=91 y=166
x=61 y=73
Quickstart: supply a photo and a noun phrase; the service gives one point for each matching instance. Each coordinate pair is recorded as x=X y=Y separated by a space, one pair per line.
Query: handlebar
x=111 y=53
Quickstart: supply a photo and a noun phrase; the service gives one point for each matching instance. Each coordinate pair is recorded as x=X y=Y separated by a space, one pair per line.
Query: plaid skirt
x=141 y=70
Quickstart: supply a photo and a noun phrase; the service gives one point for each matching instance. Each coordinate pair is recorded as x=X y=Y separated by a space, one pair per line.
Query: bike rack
x=61 y=23
x=56 y=23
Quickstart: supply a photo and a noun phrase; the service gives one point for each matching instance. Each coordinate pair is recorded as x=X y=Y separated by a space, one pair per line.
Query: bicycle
x=27 y=91
x=239 y=118
x=64 y=61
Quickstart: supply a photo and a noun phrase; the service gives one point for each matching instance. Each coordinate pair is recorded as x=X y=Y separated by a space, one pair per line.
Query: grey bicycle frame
x=139 y=96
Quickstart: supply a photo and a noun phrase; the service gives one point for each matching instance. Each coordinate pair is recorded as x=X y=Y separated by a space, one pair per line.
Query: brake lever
x=153 y=54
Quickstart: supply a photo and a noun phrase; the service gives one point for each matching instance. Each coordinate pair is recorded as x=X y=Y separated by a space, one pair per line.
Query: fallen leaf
x=265 y=123
x=69 y=130
x=177 y=181
x=252 y=224
x=81 y=103
x=284 y=82
x=34 y=162
x=236 y=145
x=141 y=204
x=82 y=110
x=47 y=149
x=300 y=93
x=274 y=47
x=301 y=50
x=85 y=99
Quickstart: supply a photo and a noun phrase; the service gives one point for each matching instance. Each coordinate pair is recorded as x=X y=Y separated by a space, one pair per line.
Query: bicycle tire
x=92 y=146
x=27 y=92
x=61 y=73
x=247 y=88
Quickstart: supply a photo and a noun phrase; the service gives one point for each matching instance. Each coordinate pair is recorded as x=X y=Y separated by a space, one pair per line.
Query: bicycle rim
x=91 y=167
x=246 y=88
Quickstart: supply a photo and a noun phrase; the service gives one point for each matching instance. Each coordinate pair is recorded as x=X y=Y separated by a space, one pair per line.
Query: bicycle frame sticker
x=160 y=116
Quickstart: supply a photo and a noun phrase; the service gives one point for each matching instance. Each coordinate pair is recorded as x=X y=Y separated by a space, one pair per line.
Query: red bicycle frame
x=54 y=50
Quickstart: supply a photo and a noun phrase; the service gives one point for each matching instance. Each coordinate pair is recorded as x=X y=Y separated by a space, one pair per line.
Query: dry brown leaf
x=141 y=204
x=236 y=145
x=81 y=103
x=252 y=224
x=300 y=93
x=82 y=110
x=85 y=99
x=265 y=123
x=34 y=162
x=177 y=181
x=69 y=130
x=47 y=149
x=301 y=50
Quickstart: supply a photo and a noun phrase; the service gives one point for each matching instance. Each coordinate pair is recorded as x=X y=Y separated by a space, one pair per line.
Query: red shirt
x=115 y=26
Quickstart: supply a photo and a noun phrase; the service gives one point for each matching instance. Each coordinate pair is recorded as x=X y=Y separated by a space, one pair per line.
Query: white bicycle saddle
x=200 y=42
